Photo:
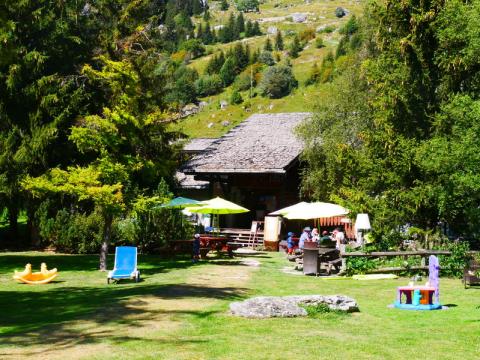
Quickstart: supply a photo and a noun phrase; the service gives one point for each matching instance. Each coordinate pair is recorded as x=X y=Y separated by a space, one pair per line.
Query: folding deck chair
x=125 y=264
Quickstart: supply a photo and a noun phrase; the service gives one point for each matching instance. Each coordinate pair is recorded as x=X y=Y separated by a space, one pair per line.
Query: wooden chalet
x=256 y=164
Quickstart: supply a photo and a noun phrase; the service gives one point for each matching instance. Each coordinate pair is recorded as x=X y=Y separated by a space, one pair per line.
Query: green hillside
x=212 y=121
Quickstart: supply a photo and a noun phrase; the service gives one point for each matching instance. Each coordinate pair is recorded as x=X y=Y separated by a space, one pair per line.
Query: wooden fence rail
x=423 y=253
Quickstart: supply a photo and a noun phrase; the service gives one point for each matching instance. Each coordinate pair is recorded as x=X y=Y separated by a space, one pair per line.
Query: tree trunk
x=13 y=222
x=33 y=232
x=107 y=230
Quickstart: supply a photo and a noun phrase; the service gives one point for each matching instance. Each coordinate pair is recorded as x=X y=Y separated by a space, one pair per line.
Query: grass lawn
x=180 y=311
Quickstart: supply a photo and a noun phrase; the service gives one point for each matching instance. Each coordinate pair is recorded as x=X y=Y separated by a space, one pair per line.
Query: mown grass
x=180 y=311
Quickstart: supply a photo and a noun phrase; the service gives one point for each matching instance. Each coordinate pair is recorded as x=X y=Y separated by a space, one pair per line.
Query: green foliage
x=181 y=91
x=215 y=63
x=360 y=265
x=268 y=45
x=228 y=72
x=327 y=29
x=314 y=75
x=72 y=233
x=248 y=78
x=295 y=48
x=321 y=310
x=306 y=35
x=279 y=46
x=319 y=42
x=209 y=85
x=236 y=98
x=454 y=264
x=277 y=81
x=351 y=27
x=194 y=47
x=150 y=227
x=224 y=5
x=402 y=119
x=266 y=58
x=247 y=5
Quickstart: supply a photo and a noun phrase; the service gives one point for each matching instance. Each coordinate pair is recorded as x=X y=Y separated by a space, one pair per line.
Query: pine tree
x=268 y=45
x=248 y=54
x=240 y=56
x=200 y=32
x=215 y=64
x=224 y=5
x=197 y=7
x=248 y=29
x=279 y=41
x=256 y=29
x=240 y=25
x=234 y=35
x=206 y=15
x=227 y=72
x=295 y=47
x=208 y=37
x=254 y=57
x=236 y=98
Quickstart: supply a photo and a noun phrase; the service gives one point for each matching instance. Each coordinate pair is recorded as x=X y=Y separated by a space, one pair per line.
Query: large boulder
x=272 y=30
x=289 y=306
x=299 y=17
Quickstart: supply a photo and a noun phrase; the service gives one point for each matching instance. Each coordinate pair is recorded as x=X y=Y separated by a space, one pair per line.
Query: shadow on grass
x=33 y=317
x=56 y=315
x=148 y=264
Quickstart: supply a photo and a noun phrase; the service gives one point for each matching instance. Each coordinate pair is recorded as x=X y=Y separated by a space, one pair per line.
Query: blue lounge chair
x=125 y=264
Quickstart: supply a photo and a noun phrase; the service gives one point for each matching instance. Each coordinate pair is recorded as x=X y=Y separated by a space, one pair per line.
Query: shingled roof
x=264 y=143
x=198 y=145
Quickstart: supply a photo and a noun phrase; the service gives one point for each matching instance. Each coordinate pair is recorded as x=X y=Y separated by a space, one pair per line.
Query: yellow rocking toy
x=43 y=277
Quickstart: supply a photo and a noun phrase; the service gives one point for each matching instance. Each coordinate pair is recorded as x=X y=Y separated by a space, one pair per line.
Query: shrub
x=351 y=27
x=224 y=5
x=277 y=82
x=453 y=265
x=266 y=58
x=319 y=43
x=247 y=5
x=236 y=98
x=250 y=77
x=328 y=29
x=360 y=265
x=320 y=310
x=194 y=47
x=209 y=85
x=70 y=232
x=307 y=35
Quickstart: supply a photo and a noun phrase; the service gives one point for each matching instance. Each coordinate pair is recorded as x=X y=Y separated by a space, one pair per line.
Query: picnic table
x=207 y=244
x=314 y=257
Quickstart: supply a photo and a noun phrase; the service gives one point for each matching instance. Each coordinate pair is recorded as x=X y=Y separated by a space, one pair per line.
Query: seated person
x=291 y=244
x=306 y=236
x=326 y=240
x=315 y=235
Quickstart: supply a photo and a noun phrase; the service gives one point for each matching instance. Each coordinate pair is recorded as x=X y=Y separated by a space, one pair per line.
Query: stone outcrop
x=289 y=306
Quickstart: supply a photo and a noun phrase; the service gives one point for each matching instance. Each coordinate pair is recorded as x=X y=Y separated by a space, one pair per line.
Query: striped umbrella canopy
x=316 y=210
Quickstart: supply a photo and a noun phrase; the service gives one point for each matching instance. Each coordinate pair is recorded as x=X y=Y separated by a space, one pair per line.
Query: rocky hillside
x=317 y=23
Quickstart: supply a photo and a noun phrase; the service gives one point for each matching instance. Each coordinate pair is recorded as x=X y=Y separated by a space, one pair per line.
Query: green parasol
x=181 y=203
x=217 y=206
